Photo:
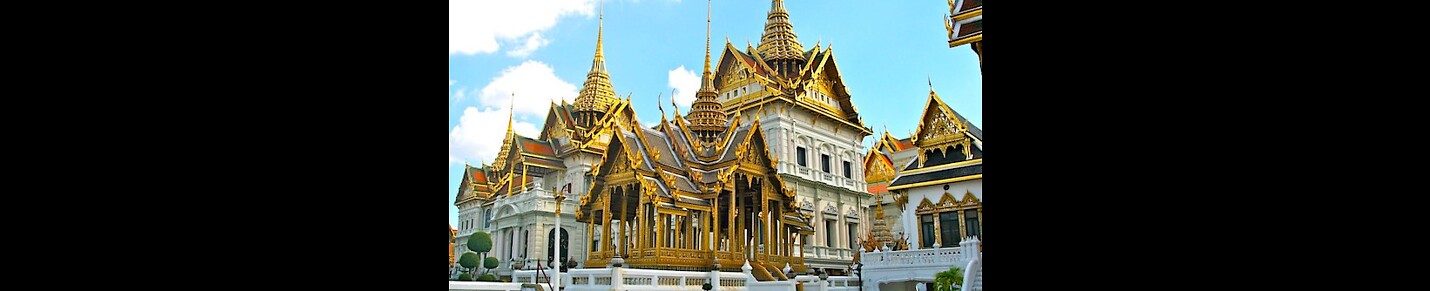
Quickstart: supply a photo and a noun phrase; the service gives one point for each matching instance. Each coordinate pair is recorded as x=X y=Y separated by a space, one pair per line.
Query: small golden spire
x=707 y=80
x=707 y=37
x=600 y=28
x=510 y=113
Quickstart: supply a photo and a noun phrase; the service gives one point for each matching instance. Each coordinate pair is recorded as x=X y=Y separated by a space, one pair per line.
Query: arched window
x=565 y=245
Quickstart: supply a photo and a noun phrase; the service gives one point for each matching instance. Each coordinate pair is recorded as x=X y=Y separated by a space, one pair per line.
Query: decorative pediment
x=947 y=201
x=852 y=213
x=878 y=168
x=925 y=205
x=806 y=205
x=969 y=199
x=731 y=69
x=940 y=129
x=619 y=163
x=830 y=209
x=938 y=125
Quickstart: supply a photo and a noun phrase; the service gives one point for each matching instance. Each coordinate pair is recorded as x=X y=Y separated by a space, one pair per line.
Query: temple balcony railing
x=835 y=283
x=920 y=258
x=831 y=253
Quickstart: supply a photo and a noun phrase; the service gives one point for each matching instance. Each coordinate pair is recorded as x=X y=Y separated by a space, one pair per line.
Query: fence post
x=617 y=277
x=968 y=248
x=714 y=278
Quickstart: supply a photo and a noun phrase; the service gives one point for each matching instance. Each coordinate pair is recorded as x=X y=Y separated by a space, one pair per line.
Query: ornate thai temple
x=813 y=130
x=762 y=182
x=933 y=183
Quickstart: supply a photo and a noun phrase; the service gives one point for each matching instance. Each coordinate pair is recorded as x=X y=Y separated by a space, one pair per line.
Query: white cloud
x=477 y=138
x=481 y=26
x=461 y=93
x=685 y=83
x=535 y=85
x=532 y=43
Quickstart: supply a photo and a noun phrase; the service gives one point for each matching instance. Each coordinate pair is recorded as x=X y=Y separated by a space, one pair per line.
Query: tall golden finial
x=600 y=26
x=510 y=113
x=930 y=78
x=707 y=37
x=707 y=117
x=597 y=95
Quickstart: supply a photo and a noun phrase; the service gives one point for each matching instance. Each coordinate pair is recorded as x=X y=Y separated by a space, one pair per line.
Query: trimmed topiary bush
x=480 y=242
x=468 y=260
x=465 y=277
x=487 y=278
x=490 y=263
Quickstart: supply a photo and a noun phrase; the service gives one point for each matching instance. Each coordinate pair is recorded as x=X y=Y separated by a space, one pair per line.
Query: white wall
x=910 y=220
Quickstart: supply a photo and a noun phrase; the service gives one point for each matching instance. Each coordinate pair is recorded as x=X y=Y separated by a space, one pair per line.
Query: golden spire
x=511 y=111
x=707 y=117
x=597 y=94
x=600 y=60
x=707 y=81
x=779 y=41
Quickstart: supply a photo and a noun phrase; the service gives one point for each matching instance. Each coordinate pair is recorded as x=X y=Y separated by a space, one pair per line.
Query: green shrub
x=490 y=263
x=480 y=242
x=948 y=280
x=487 y=278
x=465 y=277
x=468 y=260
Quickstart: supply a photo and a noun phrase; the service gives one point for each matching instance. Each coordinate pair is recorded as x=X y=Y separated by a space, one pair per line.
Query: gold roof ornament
x=597 y=95
x=779 y=41
x=707 y=117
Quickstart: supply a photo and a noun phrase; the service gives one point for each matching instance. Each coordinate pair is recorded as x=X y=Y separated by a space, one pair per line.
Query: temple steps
x=778 y=273
x=760 y=273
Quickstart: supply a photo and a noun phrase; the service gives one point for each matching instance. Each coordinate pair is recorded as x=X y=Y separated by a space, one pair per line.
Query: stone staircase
x=978 y=285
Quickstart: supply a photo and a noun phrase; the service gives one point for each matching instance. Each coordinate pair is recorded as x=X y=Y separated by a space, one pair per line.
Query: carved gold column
x=689 y=226
x=590 y=234
x=714 y=243
x=641 y=224
x=962 y=225
x=606 y=239
x=765 y=225
x=625 y=236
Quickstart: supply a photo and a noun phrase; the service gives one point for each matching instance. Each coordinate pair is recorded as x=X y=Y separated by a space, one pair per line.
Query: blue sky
x=541 y=50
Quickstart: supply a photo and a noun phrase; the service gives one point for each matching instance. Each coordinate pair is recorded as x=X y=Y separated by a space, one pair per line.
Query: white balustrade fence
x=482 y=286
x=922 y=265
x=627 y=279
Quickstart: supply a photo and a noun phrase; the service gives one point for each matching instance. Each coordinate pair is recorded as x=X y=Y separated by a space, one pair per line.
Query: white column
x=556 y=252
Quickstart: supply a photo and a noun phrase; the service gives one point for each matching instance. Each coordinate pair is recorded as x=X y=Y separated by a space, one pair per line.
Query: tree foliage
x=480 y=242
x=468 y=260
x=948 y=280
x=490 y=263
